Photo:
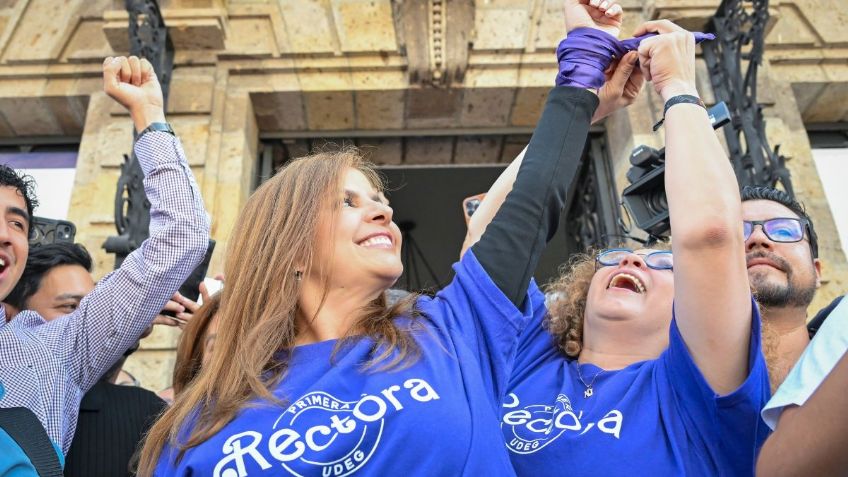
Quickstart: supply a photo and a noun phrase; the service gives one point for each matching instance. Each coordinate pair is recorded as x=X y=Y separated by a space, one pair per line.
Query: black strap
x=24 y=427
x=679 y=99
x=818 y=320
x=163 y=127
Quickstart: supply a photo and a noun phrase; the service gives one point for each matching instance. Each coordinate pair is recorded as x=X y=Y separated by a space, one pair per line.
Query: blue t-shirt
x=657 y=417
x=436 y=417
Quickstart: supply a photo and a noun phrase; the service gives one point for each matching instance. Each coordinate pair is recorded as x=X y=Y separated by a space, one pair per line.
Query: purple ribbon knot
x=586 y=53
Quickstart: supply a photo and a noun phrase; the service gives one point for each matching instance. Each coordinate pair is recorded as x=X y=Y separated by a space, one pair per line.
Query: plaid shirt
x=48 y=366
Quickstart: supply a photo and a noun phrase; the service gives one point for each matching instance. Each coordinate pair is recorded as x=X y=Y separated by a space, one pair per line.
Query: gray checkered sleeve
x=111 y=318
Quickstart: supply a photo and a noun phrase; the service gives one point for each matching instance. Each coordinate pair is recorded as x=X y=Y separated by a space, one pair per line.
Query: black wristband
x=163 y=127
x=679 y=99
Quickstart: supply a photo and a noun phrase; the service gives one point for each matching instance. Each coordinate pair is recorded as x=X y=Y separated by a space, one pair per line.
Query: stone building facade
x=245 y=70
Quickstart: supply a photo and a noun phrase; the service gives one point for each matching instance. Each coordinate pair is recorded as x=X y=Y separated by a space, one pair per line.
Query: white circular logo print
x=528 y=430
x=320 y=434
x=531 y=428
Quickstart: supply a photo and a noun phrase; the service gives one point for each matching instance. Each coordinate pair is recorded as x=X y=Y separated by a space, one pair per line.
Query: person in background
x=821 y=316
x=47 y=366
x=782 y=254
x=113 y=419
x=56 y=278
x=195 y=346
x=812 y=431
x=810 y=406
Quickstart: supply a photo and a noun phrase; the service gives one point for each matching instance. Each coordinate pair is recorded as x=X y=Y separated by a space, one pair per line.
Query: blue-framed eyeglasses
x=778 y=229
x=658 y=259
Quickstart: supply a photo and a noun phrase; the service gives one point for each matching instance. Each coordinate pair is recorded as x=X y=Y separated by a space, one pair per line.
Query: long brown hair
x=191 y=346
x=274 y=234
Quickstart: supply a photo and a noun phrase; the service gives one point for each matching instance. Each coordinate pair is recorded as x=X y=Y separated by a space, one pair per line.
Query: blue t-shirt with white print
x=438 y=416
x=656 y=417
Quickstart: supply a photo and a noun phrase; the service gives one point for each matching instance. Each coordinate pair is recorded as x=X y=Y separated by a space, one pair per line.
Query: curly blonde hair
x=566 y=310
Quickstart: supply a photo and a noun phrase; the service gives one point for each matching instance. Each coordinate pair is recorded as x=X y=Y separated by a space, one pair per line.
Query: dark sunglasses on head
x=780 y=229
x=658 y=260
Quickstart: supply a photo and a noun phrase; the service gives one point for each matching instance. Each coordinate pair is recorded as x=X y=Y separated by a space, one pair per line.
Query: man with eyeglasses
x=785 y=271
x=783 y=268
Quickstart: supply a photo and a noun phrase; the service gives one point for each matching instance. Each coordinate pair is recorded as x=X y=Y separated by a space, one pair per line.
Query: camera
x=46 y=231
x=645 y=197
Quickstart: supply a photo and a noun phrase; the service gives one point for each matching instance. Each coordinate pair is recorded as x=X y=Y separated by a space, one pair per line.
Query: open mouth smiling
x=377 y=241
x=628 y=282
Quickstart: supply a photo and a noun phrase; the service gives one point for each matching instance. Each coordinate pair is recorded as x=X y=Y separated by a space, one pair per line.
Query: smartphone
x=46 y=231
x=470 y=205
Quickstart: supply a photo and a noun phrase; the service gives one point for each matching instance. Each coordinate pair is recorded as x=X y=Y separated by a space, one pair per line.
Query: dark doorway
x=427 y=204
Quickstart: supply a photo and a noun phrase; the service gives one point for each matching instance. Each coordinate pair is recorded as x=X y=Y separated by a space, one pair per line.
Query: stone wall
x=250 y=67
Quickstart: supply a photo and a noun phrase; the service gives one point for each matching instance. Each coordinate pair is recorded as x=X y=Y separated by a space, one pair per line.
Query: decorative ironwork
x=740 y=32
x=592 y=212
x=148 y=39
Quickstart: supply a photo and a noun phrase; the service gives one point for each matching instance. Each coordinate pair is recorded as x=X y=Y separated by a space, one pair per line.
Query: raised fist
x=133 y=83
x=604 y=15
x=668 y=59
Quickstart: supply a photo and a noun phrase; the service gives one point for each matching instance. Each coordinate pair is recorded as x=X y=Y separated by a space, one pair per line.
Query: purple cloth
x=586 y=53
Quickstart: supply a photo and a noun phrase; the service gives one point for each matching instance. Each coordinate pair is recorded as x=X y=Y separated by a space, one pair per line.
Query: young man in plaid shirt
x=47 y=367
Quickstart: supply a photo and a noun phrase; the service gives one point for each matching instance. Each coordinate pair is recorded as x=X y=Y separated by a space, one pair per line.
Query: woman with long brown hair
x=313 y=373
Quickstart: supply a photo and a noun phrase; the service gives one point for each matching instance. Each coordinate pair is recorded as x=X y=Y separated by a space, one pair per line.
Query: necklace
x=589 y=391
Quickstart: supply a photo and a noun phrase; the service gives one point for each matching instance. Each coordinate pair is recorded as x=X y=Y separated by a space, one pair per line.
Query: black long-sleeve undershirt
x=513 y=243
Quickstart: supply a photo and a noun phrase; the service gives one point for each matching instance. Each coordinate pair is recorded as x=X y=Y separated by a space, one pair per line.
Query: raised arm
x=526 y=202
x=515 y=239
x=621 y=89
x=712 y=299
x=125 y=302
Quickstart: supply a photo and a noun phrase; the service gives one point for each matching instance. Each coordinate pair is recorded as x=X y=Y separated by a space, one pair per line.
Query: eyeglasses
x=780 y=229
x=658 y=260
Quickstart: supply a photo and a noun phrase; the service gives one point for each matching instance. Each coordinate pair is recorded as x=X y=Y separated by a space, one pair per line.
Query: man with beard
x=808 y=406
x=783 y=268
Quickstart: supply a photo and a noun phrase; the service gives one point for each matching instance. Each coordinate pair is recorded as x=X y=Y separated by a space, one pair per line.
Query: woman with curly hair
x=650 y=362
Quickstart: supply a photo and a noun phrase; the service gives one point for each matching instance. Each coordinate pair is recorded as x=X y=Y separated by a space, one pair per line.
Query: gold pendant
x=587 y=393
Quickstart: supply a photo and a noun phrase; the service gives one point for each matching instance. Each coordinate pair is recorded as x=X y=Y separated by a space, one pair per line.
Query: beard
x=775 y=295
